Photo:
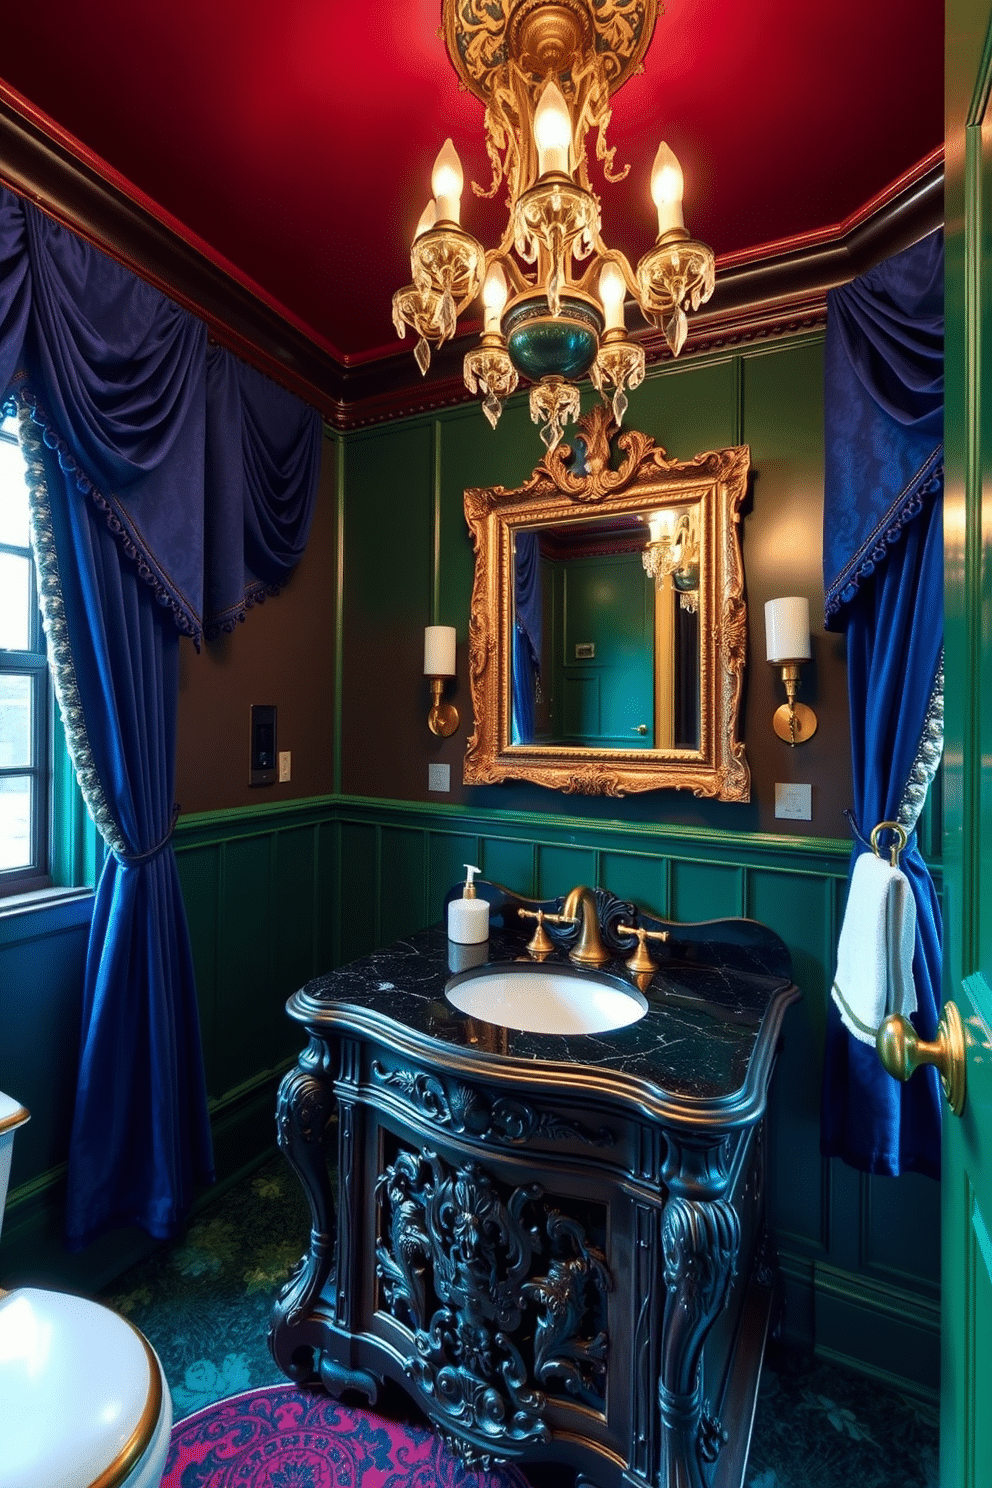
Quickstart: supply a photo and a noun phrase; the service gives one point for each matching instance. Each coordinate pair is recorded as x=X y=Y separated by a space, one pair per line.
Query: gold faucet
x=590 y=950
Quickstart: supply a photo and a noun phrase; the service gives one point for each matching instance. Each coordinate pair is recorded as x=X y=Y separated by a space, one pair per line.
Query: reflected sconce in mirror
x=439 y=663
x=673 y=549
x=787 y=647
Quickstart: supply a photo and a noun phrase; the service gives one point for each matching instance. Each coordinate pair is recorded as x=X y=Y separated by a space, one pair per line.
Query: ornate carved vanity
x=554 y=1244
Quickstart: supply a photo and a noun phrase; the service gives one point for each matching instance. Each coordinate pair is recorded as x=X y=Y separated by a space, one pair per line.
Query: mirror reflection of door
x=605 y=656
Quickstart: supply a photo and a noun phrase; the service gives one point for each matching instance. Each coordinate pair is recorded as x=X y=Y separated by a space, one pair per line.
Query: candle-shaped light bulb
x=439 y=650
x=493 y=297
x=428 y=217
x=667 y=186
x=787 y=629
x=552 y=131
x=612 y=291
x=446 y=183
x=662 y=524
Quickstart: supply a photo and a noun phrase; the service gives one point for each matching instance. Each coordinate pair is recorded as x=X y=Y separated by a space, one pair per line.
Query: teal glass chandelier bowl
x=544 y=345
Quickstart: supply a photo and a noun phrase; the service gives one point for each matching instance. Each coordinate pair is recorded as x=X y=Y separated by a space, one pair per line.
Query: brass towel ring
x=897 y=848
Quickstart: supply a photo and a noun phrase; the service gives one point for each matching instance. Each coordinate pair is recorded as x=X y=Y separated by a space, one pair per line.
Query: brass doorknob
x=902 y=1051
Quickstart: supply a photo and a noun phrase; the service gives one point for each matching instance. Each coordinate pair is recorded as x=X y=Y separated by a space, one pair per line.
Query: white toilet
x=83 y=1399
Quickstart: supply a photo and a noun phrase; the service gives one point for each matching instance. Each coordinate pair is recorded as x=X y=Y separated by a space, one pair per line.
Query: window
x=25 y=701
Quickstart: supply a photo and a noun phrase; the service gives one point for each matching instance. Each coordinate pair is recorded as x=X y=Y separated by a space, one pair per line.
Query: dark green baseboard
x=889 y=1333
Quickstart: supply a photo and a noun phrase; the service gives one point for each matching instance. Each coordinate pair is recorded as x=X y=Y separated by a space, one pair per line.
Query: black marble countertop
x=708 y=1037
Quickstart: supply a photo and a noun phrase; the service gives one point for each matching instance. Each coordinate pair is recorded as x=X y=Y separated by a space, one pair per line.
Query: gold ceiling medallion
x=553 y=293
x=660 y=710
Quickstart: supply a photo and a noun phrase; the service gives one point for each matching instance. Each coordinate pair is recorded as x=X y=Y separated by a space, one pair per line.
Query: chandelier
x=553 y=293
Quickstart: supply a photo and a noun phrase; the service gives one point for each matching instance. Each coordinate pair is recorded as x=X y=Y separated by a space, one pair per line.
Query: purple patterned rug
x=280 y=1437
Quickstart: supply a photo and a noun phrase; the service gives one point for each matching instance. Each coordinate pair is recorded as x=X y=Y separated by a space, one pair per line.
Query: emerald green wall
x=355 y=850
x=408 y=560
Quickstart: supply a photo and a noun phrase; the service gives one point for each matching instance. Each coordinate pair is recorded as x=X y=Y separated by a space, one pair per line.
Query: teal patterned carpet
x=205 y=1303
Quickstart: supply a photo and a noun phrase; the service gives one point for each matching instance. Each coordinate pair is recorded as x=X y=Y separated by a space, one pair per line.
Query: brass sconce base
x=443 y=720
x=795 y=724
x=443 y=717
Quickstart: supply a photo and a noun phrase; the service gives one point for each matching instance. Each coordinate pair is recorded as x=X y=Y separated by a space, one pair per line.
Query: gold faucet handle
x=640 y=960
x=540 y=943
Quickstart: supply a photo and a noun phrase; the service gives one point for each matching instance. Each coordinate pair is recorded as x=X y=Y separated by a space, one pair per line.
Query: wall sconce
x=787 y=647
x=439 y=663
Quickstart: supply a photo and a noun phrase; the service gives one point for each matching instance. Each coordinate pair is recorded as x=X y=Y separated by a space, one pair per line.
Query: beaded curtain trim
x=57 y=632
x=928 y=753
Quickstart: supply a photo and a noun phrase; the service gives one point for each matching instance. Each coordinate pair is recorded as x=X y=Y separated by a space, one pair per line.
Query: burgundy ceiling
x=294 y=141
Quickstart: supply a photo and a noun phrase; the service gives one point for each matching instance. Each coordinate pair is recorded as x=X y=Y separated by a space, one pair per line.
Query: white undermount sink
x=537 y=999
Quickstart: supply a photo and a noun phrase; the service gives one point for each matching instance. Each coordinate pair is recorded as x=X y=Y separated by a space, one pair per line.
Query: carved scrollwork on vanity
x=468 y=1111
x=305 y=1107
x=461 y=1261
x=536 y=1240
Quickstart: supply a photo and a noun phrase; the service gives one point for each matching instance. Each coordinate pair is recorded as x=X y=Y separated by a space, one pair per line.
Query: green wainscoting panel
x=640 y=878
x=561 y=868
x=358 y=889
x=447 y=854
x=707 y=891
x=511 y=862
x=294 y=863
x=402 y=883
x=199 y=874
x=900 y=1235
x=244 y=1024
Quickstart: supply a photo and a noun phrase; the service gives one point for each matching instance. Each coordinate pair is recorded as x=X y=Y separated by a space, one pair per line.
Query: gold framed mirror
x=608 y=630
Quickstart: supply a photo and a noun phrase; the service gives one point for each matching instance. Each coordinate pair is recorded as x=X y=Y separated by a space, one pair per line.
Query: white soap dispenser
x=468 y=917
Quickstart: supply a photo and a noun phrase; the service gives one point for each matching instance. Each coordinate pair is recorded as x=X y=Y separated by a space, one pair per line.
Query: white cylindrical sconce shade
x=439 y=651
x=787 y=629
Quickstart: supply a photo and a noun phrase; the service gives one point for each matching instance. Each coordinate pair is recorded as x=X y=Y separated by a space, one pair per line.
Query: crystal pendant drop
x=551 y=434
x=422 y=353
x=492 y=408
x=620 y=405
x=676 y=330
x=448 y=317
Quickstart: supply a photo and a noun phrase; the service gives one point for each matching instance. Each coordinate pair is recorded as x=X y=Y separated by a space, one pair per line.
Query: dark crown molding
x=777 y=290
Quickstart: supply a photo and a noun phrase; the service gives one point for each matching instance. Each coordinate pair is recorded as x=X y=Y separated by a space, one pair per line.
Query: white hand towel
x=875 y=950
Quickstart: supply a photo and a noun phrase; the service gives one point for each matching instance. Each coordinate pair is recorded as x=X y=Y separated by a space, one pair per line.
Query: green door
x=966 y=1380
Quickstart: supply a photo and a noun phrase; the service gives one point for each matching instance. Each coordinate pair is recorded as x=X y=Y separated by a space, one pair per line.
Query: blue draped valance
x=883 y=419
x=205 y=469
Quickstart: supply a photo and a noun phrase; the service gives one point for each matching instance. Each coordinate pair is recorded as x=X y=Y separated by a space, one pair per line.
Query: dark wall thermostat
x=262 y=761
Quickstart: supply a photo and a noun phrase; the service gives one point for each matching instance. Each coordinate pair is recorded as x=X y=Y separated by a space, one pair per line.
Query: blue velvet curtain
x=527 y=632
x=172 y=488
x=883 y=578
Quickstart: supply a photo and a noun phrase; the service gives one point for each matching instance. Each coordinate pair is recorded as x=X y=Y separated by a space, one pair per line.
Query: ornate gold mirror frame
x=609 y=479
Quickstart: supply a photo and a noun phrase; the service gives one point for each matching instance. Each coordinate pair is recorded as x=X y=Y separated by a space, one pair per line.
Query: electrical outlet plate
x=438 y=777
x=794 y=802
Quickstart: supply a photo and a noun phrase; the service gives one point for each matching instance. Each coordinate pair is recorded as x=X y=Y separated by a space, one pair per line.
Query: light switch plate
x=285 y=766
x=794 y=802
x=438 y=777
x=262 y=745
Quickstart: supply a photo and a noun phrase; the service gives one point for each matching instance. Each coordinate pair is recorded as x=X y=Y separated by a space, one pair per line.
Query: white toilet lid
x=80 y=1391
